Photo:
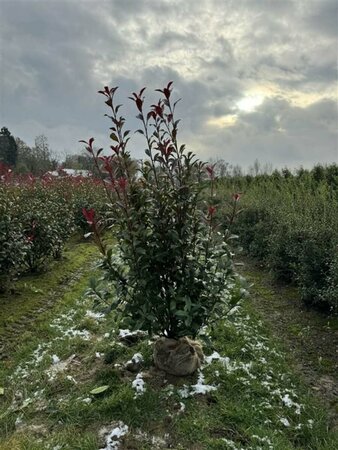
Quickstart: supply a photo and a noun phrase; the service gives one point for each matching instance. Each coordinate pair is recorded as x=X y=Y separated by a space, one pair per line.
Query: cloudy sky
x=258 y=78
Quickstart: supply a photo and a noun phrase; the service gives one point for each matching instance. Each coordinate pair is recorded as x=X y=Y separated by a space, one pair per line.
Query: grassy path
x=310 y=336
x=21 y=313
x=245 y=396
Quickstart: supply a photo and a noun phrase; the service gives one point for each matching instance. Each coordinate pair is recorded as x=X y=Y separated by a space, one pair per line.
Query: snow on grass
x=114 y=436
x=252 y=365
x=64 y=324
x=182 y=408
x=139 y=385
x=199 y=388
x=277 y=390
x=136 y=359
x=58 y=366
x=290 y=403
x=284 y=421
x=95 y=315
x=217 y=357
x=55 y=359
x=70 y=378
x=125 y=334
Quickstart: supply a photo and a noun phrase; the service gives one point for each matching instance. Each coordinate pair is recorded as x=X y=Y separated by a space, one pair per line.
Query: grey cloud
x=56 y=55
x=322 y=16
x=169 y=39
x=282 y=134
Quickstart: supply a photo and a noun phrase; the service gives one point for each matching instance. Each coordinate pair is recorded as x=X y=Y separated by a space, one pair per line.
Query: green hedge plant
x=171 y=272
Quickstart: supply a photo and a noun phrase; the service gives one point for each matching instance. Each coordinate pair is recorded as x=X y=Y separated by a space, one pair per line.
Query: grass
x=312 y=334
x=257 y=402
x=34 y=291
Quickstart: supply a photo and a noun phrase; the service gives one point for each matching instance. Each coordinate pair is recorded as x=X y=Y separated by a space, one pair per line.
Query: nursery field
x=72 y=377
x=288 y=222
x=248 y=393
x=129 y=321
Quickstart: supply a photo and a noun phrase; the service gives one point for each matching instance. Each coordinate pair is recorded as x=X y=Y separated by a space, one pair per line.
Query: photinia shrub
x=14 y=245
x=170 y=272
x=37 y=216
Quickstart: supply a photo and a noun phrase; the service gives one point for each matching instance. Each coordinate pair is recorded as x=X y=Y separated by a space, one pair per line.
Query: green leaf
x=2 y=391
x=114 y=137
x=99 y=390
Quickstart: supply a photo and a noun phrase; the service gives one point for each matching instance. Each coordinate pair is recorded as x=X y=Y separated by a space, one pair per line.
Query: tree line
x=39 y=158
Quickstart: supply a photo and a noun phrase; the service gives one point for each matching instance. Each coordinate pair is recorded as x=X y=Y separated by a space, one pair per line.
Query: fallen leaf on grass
x=99 y=390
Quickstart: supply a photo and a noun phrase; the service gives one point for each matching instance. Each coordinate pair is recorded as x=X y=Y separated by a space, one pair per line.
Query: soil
x=309 y=336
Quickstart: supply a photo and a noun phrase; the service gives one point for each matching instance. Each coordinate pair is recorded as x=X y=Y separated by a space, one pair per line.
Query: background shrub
x=290 y=224
x=37 y=216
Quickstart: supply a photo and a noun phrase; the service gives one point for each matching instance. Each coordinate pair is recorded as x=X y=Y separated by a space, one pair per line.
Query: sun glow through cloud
x=224 y=121
x=250 y=103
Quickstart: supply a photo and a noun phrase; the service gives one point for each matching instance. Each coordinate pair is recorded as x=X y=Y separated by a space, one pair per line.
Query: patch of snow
x=70 y=378
x=127 y=333
x=94 y=315
x=158 y=441
x=39 y=393
x=73 y=332
x=289 y=403
x=39 y=353
x=112 y=440
x=55 y=359
x=169 y=390
x=217 y=357
x=182 y=407
x=285 y=421
x=139 y=385
x=57 y=367
x=234 y=310
x=18 y=422
x=136 y=359
x=231 y=445
x=198 y=388
x=263 y=440
x=184 y=392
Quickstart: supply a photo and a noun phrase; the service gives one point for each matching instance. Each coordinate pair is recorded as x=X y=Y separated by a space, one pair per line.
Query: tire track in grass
x=22 y=312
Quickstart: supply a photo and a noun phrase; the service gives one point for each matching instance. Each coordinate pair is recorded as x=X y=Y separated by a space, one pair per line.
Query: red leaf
x=211 y=211
x=139 y=104
x=89 y=215
x=122 y=183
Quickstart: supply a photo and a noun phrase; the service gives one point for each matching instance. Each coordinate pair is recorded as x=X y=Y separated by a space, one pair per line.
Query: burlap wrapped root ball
x=178 y=357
